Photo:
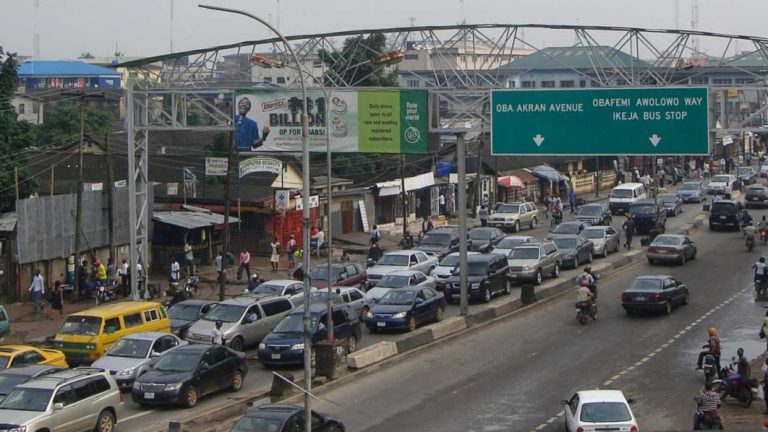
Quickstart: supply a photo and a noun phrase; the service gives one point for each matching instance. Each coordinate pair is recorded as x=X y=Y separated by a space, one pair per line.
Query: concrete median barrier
x=447 y=327
x=372 y=354
x=506 y=306
x=414 y=339
x=481 y=315
x=686 y=229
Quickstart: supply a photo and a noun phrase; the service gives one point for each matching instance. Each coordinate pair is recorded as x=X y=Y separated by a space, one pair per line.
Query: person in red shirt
x=714 y=348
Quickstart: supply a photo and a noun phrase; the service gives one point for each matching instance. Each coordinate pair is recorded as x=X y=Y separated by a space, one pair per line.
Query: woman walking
x=274 y=260
x=57 y=298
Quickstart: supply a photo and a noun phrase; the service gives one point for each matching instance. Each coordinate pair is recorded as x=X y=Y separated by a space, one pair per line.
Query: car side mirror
x=419 y=301
x=154 y=354
x=204 y=366
x=58 y=406
x=564 y=402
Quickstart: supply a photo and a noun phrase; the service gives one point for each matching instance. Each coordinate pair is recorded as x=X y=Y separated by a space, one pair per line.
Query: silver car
x=292 y=289
x=605 y=238
x=532 y=261
x=352 y=296
x=505 y=246
x=444 y=270
x=132 y=355
x=399 y=279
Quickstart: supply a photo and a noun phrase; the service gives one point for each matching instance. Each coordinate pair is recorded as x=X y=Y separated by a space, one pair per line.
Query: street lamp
x=305 y=212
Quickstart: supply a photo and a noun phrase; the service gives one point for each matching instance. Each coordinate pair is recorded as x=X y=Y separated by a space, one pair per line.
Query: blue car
x=405 y=308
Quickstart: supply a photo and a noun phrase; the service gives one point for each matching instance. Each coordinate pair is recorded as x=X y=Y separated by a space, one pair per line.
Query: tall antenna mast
x=695 y=26
x=171 y=26
x=677 y=14
x=462 y=19
x=278 y=15
x=36 y=42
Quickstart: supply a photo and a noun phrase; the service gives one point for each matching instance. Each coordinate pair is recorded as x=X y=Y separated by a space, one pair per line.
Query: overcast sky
x=143 y=27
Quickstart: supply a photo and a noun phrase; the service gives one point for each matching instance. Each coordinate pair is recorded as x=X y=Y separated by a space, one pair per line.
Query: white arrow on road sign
x=655 y=139
x=538 y=139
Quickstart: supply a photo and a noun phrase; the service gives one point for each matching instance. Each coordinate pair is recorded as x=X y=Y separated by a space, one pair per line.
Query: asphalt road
x=512 y=374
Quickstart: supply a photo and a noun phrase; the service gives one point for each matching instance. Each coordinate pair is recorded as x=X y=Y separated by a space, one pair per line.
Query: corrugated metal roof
x=191 y=219
x=63 y=68
x=559 y=58
x=8 y=222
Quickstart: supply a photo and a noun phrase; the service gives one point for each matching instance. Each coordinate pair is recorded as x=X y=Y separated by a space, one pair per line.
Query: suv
x=595 y=214
x=531 y=261
x=486 y=276
x=245 y=320
x=285 y=344
x=440 y=242
x=514 y=215
x=756 y=196
x=648 y=214
x=724 y=213
x=80 y=399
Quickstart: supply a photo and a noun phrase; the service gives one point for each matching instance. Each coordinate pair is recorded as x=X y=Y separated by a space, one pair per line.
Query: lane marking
x=135 y=416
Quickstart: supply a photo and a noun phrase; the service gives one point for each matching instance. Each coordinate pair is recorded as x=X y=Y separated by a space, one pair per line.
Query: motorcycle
x=760 y=287
x=583 y=312
x=190 y=284
x=708 y=422
x=709 y=365
x=740 y=390
x=186 y=293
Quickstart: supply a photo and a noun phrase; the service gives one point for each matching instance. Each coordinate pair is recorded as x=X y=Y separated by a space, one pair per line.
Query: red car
x=342 y=274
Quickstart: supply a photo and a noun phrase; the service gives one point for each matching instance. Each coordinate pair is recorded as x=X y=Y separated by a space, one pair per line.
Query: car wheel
x=556 y=271
x=576 y=261
x=589 y=257
x=237 y=344
x=682 y=259
x=650 y=261
x=411 y=323
x=439 y=314
x=237 y=381
x=539 y=277
x=534 y=222
x=106 y=422
x=630 y=312
x=486 y=295
x=190 y=397
x=351 y=343
x=516 y=228
x=668 y=308
x=693 y=257
x=336 y=428
x=686 y=298
x=616 y=248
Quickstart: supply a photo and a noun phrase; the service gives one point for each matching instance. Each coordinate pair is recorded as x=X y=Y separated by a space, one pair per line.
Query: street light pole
x=305 y=212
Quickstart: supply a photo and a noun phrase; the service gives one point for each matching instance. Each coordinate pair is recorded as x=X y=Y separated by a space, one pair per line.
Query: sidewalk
x=735 y=417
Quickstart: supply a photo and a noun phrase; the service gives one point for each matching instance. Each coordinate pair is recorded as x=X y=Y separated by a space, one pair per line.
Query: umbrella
x=547 y=173
x=511 y=182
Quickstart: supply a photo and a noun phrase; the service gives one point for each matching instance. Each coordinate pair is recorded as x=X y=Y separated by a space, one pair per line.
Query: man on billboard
x=247 y=130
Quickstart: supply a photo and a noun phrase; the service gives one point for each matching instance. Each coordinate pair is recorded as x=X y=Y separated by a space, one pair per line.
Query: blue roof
x=63 y=68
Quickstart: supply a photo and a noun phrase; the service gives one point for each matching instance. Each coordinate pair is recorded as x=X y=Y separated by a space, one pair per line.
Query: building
x=39 y=75
x=28 y=109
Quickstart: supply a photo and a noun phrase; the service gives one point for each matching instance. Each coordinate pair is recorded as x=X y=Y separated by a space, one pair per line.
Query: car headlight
x=58 y=344
x=90 y=346
x=127 y=371
x=368 y=314
x=262 y=346
x=475 y=285
x=527 y=268
x=400 y=315
x=136 y=385
x=297 y=347
x=173 y=387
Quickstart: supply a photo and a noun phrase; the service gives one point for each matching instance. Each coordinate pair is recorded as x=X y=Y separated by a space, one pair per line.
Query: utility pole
x=479 y=177
x=461 y=161
x=403 y=195
x=16 y=180
x=79 y=200
x=227 y=204
x=110 y=198
x=53 y=167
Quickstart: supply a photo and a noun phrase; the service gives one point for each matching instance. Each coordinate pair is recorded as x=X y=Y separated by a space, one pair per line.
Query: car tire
x=439 y=314
x=693 y=257
x=556 y=271
x=590 y=257
x=539 y=277
x=411 y=324
x=576 y=262
x=516 y=228
x=336 y=428
x=651 y=261
x=668 y=308
x=534 y=222
x=105 y=422
x=487 y=295
x=682 y=259
x=237 y=344
x=351 y=344
x=190 y=397
x=686 y=298
x=237 y=381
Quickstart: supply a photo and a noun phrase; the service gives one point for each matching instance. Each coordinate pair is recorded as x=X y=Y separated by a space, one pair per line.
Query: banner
x=260 y=164
x=367 y=121
x=216 y=166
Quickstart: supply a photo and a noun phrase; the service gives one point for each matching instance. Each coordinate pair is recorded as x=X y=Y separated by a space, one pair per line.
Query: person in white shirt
x=217 y=336
x=125 y=282
x=320 y=237
x=175 y=274
x=37 y=288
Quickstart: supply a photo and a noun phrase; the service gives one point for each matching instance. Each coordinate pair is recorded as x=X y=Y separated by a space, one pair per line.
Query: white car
x=505 y=246
x=721 y=184
x=764 y=169
x=292 y=289
x=442 y=272
x=596 y=410
x=399 y=279
x=352 y=296
x=401 y=260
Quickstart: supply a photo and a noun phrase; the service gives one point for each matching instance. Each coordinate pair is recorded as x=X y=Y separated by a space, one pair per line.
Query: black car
x=747 y=175
x=183 y=375
x=756 y=196
x=440 y=242
x=10 y=378
x=185 y=313
x=486 y=276
x=648 y=214
x=483 y=239
x=672 y=203
x=658 y=293
x=284 y=418
x=724 y=214
x=595 y=214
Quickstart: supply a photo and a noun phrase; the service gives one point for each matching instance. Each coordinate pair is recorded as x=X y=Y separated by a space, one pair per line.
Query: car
x=284 y=346
x=80 y=399
x=401 y=260
x=531 y=261
x=342 y=274
x=399 y=279
x=10 y=378
x=658 y=293
x=764 y=169
x=486 y=277
x=746 y=175
x=692 y=191
x=513 y=216
x=567 y=228
x=595 y=214
x=483 y=239
x=756 y=196
x=606 y=239
x=721 y=184
x=24 y=355
x=672 y=203
x=291 y=289
x=599 y=410
x=183 y=314
x=440 y=241
x=671 y=247
x=5 y=322
x=284 y=418
x=509 y=242
x=245 y=321
x=648 y=214
x=132 y=355
x=351 y=296
x=724 y=213
x=574 y=250
x=444 y=269
x=184 y=375
x=405 y=308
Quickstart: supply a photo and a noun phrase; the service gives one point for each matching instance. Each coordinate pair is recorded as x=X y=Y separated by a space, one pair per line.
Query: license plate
x=515 y=276
x=275 y=356
x=663 y=251
x=754 y=199
x=723 y=217
x=641 y=298
x=149 y=395
x=381 y=324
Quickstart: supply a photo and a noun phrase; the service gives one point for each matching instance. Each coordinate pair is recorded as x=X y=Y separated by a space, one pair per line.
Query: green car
x=5 y=323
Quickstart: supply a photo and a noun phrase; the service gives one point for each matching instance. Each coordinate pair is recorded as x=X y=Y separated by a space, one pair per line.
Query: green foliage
x=352 y=65
x=62 y=124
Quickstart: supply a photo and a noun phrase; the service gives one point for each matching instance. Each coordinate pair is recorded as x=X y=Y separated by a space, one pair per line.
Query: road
x=260 y=377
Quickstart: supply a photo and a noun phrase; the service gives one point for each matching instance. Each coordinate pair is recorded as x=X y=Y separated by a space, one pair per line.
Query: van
x=85 y=336
x=622 y=196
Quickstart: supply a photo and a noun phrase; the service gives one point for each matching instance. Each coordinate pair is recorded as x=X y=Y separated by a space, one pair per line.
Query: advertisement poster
x=367 y=121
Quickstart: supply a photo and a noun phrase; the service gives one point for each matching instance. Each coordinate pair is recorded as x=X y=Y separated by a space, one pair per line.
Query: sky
x=142 y=28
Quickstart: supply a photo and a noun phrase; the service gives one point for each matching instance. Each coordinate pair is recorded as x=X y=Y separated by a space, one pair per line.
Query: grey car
x=567 y=228
x=692 y=192
x=605 y=238
x=574 y=250
x=513 y=216
x=671 y=248
x=672 y=203
x=133 y=355
x=532 y=261
x=399 y=279
x=352 y=296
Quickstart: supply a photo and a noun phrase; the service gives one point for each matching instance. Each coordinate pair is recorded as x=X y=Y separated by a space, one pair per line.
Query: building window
x=699 y=80
x=567 y=84
x=528 y=84
x=548 y=84
x=411 y=57
x=281 y=80
x=34 y=108
x=21 y=108
x=582 y=83
x=268 y=79
x=412 y=83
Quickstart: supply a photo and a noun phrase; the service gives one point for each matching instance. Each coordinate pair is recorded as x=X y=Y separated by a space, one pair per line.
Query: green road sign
x=612 y=121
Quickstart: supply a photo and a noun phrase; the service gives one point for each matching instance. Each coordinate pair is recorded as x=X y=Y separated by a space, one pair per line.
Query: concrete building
x=28 y=109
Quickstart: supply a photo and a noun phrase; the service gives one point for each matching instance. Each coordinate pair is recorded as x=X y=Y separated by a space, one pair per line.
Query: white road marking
x=607 y=383
x=135 y=416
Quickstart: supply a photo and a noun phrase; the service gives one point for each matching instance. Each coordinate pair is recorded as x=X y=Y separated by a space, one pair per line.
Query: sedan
x=444 y=270
x=599 y=410
x=658 y=293
x=721 y=184
x=605 y=239
x=10 y=378
x=671 y=247
x=405 y=308
x=182 y=376
x=672 y=203
x=24 y=355
x=185 y=313
x=505 y=246
x=284 y=418
x=567 y=228
x=756 y=196
x=483 y=239
x=692 y=192
x=292 y=289
x=595 y=214
x=351 y=296
x=342 y=274
x=400 y=279
x=132 y=355
x=747 y=175
x=574 y=249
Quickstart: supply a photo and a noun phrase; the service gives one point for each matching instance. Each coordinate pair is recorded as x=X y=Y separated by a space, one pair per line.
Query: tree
x=62 y=124
x=86 y=55
x=352 y=65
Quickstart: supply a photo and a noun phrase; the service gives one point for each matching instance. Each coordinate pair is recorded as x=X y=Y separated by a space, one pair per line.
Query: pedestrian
x=101 y=273
x=298 y=274
x=722 y=165
x=124 y=281
x=441 y=200
x=547 y=205
x=292 y=247
x=111 y=272
x=245 y=264
x=175 y=275
x=407 y=241
x=483 y=214
x=375 y=235
x=189 y=257
x=57 y=298
x=572 y=200
x=748 y=158
x=219 y=264
x=629 y=231
x=426 y=225
x=37 y=290
x=274 y=259
x=319 y=238
x=217 y=336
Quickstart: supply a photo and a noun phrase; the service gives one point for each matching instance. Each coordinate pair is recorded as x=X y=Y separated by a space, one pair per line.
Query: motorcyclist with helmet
x=584 y=296
x=713 y=347
x=590 y=278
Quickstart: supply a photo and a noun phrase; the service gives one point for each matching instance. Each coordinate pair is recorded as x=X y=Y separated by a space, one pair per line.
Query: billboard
x=365 y=121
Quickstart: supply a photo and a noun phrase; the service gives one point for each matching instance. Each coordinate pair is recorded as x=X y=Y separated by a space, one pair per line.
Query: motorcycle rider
x=743 y=372
x=709 y=402
x=746 y=218
x=584 y=295
x=713 y=345
x=761 y=272
x=590 y=278
x=750 y=233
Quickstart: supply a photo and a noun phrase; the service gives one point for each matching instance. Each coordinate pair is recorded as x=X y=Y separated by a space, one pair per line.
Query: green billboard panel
x=611 y=121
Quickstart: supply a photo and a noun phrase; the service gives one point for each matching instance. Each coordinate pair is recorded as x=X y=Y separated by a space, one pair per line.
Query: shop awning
x=546 y=172
x=191 y=219
x=411 y=183
x=511 y=182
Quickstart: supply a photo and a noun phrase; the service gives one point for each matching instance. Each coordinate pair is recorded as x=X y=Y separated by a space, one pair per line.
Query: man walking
x=124 y=281
x=219 y=264
x=629 y=231
x=483 y=213
x=245 y=264
x=37 y=288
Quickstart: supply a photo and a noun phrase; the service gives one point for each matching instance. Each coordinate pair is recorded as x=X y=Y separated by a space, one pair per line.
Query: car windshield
x=690 y=186
x=27 y=399
x=267 y=288
x=8 y=382
x=723 y=208
x=721 y=179
x=294 y=323
x=565 y=243
x=593 y=233
x=321 y=273
x=509 y=243
x=398 y=297
x=227 y=313
x=81 y=325
x=480 y=234
x=566 y=228
x=4 y=362
x=667 y=198
x=178 y=362
x=524 y=253
x=646 y=284
x=745 y=171
x=475 y=269
x=133 y=348
x=643 y=209
x=394 y=260
x=436 y=240
x=394 y=281
x=184 y=312
x=590 y=211
x=663 y=240
x=507 y=208
x=755 y=189
x=621 y=193
x=255 y=424
x=605 y=412
x=322 y=297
